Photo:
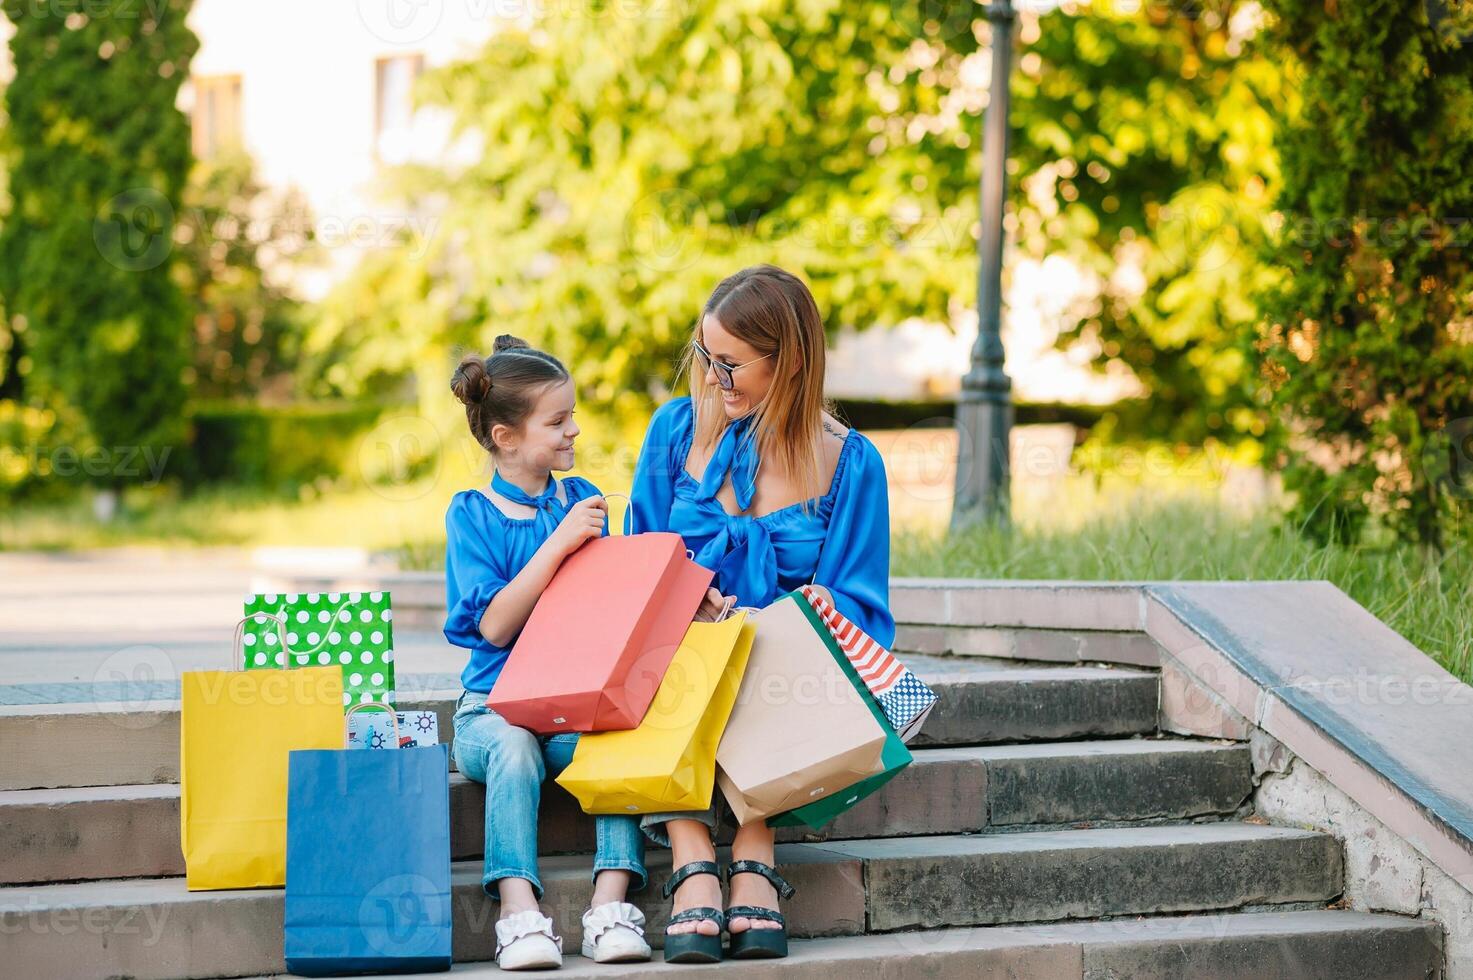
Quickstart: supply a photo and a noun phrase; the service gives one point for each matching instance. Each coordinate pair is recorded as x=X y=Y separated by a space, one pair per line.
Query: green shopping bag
x=352 y=629
x=894 y=756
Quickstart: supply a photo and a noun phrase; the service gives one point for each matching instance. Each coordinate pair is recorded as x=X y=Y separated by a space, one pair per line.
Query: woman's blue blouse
x=484 y=550
x=841 y=541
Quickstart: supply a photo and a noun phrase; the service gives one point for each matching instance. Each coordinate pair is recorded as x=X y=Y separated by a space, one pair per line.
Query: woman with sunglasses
x=772 y=493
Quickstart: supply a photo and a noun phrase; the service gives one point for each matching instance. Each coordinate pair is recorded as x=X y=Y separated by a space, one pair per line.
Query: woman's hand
x=584 y=520
x=712 y=606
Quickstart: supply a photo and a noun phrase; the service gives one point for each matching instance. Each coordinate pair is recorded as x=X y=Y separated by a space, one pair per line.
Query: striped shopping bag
x=901 y=695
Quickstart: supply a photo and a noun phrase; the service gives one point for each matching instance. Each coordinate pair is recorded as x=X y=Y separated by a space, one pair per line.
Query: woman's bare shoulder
x=834 y=434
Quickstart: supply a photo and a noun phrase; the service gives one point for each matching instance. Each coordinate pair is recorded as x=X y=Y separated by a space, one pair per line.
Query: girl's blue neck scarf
x=550 y=510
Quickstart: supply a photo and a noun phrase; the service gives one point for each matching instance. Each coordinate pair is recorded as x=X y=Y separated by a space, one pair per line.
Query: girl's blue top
x=841 y=541
x=484 y=550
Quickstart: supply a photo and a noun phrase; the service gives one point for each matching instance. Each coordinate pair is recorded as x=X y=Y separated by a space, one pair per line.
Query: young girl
x=504 y=543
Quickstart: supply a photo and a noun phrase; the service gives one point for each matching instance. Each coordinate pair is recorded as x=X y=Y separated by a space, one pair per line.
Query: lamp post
x=984 y=411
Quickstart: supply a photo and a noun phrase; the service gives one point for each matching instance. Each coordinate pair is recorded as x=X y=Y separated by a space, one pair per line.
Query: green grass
x=1427 y=600
x=1087 y=528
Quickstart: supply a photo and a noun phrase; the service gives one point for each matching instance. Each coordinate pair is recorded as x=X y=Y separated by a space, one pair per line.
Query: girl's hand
x=712 y=605
x=584 y=520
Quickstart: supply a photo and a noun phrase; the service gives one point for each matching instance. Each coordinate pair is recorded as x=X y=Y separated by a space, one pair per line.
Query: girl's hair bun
x=471 y=382
x=510 y=398
x=507 y=342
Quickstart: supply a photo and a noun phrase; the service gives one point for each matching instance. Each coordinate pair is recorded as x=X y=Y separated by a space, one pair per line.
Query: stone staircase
x=1047 y=829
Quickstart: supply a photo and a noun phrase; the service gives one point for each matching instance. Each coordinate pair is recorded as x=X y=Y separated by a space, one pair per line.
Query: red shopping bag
x=601 y=636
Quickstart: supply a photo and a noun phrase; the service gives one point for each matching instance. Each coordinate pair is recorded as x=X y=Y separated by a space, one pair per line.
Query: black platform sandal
x=693 y=947
x=759 y=944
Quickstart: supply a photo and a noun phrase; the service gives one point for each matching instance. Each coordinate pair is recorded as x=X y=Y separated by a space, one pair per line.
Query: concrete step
x=133 y=831
x=156 y=928
x=63 y=745
x=1308 y=945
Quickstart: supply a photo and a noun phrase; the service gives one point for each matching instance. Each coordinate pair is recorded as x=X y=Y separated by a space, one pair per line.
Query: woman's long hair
x=773 y=311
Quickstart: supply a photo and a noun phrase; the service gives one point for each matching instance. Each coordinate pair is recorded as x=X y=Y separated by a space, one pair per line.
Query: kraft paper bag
x=669 y=761
x=603 y=632
x=800 y=730
x=894 y=758
x=236 y=729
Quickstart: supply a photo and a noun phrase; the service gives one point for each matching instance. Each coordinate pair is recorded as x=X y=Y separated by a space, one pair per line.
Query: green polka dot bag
x=353 y=629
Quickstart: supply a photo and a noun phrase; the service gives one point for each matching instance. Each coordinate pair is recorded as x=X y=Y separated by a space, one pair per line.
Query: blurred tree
x=1144 y=138
x=9 y=343
x=238 y=243
x=1368 y=339
x=98 y=160
x=624 y=159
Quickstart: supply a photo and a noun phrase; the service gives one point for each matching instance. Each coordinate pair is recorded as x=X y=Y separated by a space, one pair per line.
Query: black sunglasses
x=723 y=371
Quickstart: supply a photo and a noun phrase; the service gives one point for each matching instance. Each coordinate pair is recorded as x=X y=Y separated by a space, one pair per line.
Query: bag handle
x=628 y=511
x=237 y=661
x=280 y=619
x=393 y=717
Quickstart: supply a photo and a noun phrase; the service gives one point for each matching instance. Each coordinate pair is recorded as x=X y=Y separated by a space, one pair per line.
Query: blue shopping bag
x=368 y=861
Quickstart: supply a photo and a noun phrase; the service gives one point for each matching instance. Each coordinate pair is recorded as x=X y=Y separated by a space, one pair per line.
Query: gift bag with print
x=354 y=630
x=902 y=696
x=894 y=757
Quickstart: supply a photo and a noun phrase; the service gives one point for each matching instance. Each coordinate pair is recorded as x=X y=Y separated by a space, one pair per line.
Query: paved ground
x=121 y=626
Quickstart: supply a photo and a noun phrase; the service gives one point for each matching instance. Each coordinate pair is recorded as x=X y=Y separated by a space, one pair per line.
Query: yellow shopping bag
x=669 y=761
x=235 y=730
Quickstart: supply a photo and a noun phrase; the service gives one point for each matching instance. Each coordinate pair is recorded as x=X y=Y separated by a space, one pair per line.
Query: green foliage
x=1368 y=340
x=1145 y=138
x=98 y=160
x=279 y=448
x=246 y=322
x=1149 y=538
x=632 y=160
x=41 y=451
x=628 y=161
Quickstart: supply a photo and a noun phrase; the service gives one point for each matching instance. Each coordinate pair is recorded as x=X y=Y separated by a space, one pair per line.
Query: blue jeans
x=512 y=762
